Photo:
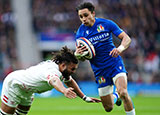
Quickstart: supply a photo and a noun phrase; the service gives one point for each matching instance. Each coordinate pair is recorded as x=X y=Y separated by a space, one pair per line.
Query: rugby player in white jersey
x=19 y=86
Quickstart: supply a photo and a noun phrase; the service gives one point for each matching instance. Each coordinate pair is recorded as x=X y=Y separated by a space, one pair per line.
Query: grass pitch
x=64 y=106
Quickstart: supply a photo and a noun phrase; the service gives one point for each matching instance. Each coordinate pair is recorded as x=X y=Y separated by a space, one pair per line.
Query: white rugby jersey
x=35 y=79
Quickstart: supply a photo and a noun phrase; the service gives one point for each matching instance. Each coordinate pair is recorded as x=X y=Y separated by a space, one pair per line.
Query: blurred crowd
x=7 y=40
x=139 y=18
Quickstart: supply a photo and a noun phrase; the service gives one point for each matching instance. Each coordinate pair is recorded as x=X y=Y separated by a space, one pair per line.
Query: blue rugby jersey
x=100 y=35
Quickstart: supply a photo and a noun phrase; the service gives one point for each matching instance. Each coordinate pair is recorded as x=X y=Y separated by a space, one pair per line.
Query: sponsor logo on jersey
x=100 y=28
x=99 y=37
x=101 y=80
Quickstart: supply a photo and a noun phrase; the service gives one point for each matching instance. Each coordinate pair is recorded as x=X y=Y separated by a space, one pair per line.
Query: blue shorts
x=106 y=75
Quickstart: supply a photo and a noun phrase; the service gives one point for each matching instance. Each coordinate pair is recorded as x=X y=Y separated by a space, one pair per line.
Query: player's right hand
x=91 y=99
x=80 y=53
x=69 y=93
x=115 y=52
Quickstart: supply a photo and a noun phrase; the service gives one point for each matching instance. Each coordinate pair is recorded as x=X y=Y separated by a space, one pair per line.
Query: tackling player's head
x=65 y=55
x=86 y=12
x=66 y=60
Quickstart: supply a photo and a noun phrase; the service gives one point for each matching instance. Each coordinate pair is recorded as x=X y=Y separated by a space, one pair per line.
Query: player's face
x=86 y=17
x=70 y=69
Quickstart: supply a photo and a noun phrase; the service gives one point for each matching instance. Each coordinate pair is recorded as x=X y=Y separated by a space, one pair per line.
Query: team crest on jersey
x=100 y=28
x=101 y=80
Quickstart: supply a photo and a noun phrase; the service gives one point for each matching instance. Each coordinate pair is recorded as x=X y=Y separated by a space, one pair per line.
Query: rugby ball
x=90 y=53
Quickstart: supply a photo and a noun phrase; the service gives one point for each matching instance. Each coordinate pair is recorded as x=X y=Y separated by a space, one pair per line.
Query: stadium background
x=31 y=29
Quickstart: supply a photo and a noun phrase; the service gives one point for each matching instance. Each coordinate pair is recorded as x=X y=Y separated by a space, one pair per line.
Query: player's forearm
x=57 y=84
x=74 y=85
x=126 y=40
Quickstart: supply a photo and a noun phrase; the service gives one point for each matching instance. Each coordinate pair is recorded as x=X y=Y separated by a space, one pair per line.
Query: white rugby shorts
x=12 y=94
x=103 y=91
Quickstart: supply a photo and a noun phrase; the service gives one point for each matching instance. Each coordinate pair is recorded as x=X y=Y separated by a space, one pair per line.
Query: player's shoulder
x=103 y=20
x=81 y=27
x=51 y=67
x=80 y=30
x=51 y=63
x=47 y=64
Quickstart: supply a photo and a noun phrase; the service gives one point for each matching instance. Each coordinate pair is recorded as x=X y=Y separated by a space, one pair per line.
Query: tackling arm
x=58 y=85
x=72 y=83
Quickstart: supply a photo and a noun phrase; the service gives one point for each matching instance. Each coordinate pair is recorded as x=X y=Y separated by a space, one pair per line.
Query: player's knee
x=3 y=113
x=20 y=112
x=123 y=93
x=108 y=108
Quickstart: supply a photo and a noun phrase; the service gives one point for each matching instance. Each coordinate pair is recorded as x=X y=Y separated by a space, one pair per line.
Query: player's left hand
x=91 y=99
x=115 y=52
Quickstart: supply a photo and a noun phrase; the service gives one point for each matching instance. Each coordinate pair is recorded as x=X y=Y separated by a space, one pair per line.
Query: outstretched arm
x=72 y=83
x=58 y=85
x=126 y=40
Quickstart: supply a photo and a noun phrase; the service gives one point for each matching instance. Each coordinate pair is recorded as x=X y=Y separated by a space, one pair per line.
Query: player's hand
x=91 y=99
x=80 y=50
x=69 y=93
x=79 y=53
x=115 y=52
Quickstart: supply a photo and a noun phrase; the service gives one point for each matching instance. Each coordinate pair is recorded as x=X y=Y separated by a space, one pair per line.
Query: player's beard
x=66 y=74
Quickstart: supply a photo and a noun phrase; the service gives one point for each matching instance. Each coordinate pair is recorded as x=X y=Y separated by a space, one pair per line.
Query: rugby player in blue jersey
x=107 y=65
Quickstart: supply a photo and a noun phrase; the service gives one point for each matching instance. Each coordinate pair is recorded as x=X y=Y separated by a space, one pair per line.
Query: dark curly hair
x=65 y=55
x=87 y=5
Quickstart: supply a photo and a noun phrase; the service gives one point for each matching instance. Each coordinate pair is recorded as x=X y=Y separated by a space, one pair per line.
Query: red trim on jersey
x=5 y=97
x=56 y=75
x=5 y=100
x=48 y=77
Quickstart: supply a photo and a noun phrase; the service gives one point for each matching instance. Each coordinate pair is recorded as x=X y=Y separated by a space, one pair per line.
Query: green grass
x=64 y=106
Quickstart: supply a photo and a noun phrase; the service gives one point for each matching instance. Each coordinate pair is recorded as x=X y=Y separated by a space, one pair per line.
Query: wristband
x=121 y=48
x=84 y=97
x=87 y=99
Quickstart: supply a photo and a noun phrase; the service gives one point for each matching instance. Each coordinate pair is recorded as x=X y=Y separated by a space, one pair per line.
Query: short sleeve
x=114 y=28
x=49 y=74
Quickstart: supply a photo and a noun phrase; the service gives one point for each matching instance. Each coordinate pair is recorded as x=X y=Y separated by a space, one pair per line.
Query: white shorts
x=12 y=94
x=109 y=89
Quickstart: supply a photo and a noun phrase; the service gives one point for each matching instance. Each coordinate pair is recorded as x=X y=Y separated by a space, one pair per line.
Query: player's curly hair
x=87 y=5
x=65 y=55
